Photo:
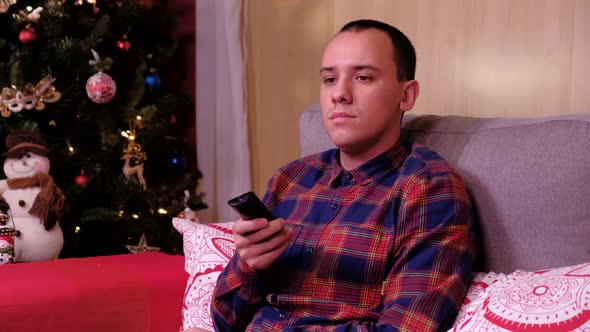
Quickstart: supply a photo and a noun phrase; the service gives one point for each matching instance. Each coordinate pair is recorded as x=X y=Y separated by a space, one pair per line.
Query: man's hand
x=260 y=242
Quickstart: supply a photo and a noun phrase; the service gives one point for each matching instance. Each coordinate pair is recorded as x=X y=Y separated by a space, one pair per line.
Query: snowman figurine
x=36 y=203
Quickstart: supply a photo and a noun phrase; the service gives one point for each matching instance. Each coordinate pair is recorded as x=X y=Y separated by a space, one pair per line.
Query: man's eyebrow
x=362 y=67
x=326 y=69
x=357 y=67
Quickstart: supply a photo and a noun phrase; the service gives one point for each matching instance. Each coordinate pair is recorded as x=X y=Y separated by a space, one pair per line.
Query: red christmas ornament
x=27 y=35
x=81 y=179
x=124 y=44
x=101 y=88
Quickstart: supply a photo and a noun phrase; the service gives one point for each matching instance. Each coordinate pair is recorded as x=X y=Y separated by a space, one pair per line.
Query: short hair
x=404 y=54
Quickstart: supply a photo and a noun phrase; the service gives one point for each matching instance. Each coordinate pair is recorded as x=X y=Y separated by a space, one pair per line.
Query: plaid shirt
x=385 y=247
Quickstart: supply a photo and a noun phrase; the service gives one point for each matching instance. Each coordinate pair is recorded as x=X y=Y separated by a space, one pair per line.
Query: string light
x=77 y=229
x=162 y=211
x=128 y=134
x=135 y=216
x=121 y=213
x=70 y=147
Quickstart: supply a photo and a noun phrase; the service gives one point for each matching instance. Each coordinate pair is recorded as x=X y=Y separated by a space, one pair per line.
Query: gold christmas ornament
x=55 y=7
x=31 y=97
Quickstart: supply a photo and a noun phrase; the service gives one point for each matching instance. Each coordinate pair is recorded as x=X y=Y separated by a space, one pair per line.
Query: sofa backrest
x=529 y=179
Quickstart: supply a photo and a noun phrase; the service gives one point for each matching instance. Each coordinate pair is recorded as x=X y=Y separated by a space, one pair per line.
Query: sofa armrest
x=131 y=292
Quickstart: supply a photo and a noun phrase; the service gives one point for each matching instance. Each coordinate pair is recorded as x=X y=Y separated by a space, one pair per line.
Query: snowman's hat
x=20 y=142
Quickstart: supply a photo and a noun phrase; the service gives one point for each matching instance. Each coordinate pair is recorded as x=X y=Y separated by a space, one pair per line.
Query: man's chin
x=349 y=147
x=341 y=141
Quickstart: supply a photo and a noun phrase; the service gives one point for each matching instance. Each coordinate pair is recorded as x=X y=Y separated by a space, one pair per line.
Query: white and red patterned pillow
x=546 y=300
x=207 y=250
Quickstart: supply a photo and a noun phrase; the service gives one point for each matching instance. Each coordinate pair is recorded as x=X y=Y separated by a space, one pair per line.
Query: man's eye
x=329 y=80
x=363 y=78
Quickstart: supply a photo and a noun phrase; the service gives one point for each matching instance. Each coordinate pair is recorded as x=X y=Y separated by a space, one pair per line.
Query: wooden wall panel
x=476 y=58
x=284 y=44
x=484 y=58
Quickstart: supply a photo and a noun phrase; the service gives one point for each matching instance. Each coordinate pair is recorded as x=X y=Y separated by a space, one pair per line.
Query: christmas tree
x=86 y=73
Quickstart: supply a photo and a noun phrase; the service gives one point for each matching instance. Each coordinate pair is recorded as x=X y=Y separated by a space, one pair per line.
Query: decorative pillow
x=207 y=250
x=545 y=300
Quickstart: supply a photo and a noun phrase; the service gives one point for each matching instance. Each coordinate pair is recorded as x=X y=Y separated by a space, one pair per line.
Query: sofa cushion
x=529 y=178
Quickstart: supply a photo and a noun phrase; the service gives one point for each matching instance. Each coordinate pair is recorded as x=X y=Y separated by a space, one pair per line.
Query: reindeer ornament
x=133 y=153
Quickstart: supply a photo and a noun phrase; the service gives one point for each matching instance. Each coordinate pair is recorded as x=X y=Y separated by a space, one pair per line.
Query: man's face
x=360 y=94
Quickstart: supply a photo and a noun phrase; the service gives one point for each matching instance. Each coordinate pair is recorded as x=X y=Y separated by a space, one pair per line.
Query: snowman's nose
x=24 y=163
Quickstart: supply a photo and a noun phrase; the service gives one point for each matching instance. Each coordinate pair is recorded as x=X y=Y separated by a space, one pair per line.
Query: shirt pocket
x=354 y=258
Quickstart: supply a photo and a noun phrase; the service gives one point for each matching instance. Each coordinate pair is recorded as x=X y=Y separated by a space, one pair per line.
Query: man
x=374 y=235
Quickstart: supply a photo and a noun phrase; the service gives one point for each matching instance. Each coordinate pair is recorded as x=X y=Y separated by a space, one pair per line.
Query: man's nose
x=341 y=93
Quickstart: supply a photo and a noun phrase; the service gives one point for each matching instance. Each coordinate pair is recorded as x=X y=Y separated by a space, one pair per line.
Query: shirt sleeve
x=238 y=290
x=433 y=259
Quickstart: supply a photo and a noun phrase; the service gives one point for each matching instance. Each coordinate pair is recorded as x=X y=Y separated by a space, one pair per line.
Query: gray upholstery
x=529 y=178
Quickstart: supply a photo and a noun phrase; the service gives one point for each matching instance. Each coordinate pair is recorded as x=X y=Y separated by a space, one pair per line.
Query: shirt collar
x=366 y=173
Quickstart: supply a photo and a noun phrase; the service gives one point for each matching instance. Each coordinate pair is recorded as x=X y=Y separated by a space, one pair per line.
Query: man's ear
x=411 y=91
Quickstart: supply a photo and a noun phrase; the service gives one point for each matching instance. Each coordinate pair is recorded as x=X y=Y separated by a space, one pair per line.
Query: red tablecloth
x=132 y=292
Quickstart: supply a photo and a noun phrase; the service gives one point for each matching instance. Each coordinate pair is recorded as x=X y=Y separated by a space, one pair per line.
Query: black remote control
x=249 y=206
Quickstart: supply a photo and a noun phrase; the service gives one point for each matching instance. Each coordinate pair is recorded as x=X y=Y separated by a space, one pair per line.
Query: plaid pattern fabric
x=387 y=246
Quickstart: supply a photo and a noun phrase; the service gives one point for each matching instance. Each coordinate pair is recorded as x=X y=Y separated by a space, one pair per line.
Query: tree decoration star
x=142 y=246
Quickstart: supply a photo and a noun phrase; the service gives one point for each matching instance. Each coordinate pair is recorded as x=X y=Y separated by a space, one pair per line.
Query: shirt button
x=309 y=251
x=282 y=315
x=349 y=177
x=333 y=206
x=276 y=309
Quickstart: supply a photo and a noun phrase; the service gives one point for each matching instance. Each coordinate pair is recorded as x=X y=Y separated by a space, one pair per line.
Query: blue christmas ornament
x=177 y=163
x=153 y=80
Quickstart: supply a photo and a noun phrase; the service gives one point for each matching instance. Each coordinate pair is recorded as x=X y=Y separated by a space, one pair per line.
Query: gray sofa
x=529 y=178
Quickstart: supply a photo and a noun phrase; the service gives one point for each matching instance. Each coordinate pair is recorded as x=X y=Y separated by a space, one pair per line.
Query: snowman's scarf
x=50 y=200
